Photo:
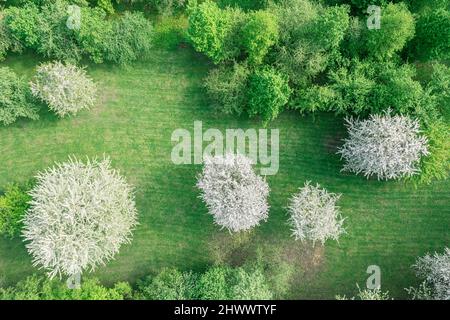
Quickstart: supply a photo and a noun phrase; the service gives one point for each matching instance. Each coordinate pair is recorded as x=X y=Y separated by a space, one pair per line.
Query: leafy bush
x=15 y=99
x=213 y=284
x=250 y=285
x=214 y=31
x=23 y=24
x=65 y=88
x=268 y=92
x=170 y=32
x=432 y=39
x=309 y=37
x=131 y=38
x=397 y=28
x=227 y=87
x=56 y=40
x=314 y=215
x=169 y=284
x=233 y=193
x=80 y=215
x=259 y=33
x=389 y=147
x=218 y=283
x=40 y=288
x=436 y=165
x=94 y=33
x=13 y=205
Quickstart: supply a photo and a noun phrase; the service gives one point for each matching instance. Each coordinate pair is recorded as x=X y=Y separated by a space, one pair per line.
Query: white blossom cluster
x=233 y=193
x=314 y=215
x=389 y=147
x=80 y=215
x=435 y=269
x=65 y=88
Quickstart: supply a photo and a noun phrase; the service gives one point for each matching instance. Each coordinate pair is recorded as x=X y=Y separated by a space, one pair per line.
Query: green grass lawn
x=388 y=223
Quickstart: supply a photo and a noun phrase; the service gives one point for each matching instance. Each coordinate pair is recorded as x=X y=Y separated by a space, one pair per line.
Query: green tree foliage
x=309 y=37
x=23 y=23
x=214 y=31
x=13 y=205
x=436 y=166
x=397 y=28
x=260 y=32
x=94 y=33
x=15 y=98
x=219 y=282
x=268 y=92
x=213 y=284
x=106 y=5
x=131 y=38
x=7 y=41
x=250 y=285
x=432 y=39
x=169 y=284
x=56 y=40
x=41 y=288
x=227 y=87
x=366 y=87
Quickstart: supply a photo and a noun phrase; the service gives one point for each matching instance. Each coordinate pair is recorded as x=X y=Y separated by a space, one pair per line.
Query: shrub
x=389 y=147
x=250 y=285
x=314 y=215
x=432 y=39
x=65 y=88
x=106 y=5
x=309 y=37
x=436 y=165
x=233 y=193
x=15 y=99
x=259 y=33
x=214 y=31
x=435 y=269
x=40 y=288
x=80 y=215
x=56 y=40
x=131 y=38
x=170 y=32
x=94 y=33
x=13 y=205
x=23 y=24
x=213 y=284
x=246 y=5
x=397 y=28
x=169 y=284
x=268 y=92
x=227 y=87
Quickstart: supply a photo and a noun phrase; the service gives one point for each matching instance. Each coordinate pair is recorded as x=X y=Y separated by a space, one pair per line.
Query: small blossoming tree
x=66 y=89
x=233 y=193
x=79 y=216
x=314 y=215
x=435 y=269
x=386 y=146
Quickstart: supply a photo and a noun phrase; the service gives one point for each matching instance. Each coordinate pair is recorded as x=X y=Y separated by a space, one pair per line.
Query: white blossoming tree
x=233 y=193
x=79 y=216
x=66 y=89
x=314 y=215
x=389 y=147
x=435 y=269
